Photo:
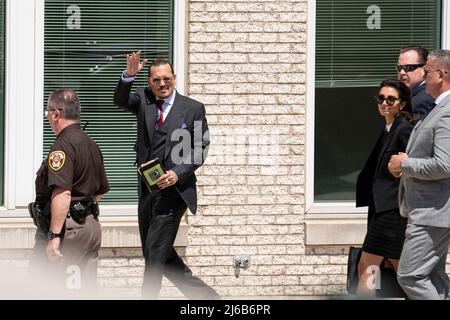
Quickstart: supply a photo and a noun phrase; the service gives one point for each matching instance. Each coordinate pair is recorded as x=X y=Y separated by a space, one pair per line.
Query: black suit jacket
x=186 y=116
x=375 y=177
x=422 y=102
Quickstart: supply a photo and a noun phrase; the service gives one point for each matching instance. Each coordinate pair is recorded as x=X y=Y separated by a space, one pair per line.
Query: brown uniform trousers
x=75 y=274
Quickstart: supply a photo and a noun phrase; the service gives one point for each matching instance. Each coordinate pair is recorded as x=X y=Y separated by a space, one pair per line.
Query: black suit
x=160 y=213
x=375 y=177
x=378 y=189
x=422 y=102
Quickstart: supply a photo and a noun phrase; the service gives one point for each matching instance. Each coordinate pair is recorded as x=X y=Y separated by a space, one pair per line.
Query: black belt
x=80 y=210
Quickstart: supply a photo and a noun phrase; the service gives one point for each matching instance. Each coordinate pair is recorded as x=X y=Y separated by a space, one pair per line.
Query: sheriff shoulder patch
x=56 y=160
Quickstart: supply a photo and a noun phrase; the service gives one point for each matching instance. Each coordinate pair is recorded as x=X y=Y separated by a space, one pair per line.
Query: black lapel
x=390 y=135
x=175 y=117
x=150 y=113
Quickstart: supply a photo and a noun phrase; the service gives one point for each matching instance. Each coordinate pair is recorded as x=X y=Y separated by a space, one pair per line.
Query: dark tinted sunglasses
x=390 y=100
x=409 y=67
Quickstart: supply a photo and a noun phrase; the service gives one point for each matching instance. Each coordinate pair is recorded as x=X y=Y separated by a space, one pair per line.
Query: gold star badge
x=56 y=160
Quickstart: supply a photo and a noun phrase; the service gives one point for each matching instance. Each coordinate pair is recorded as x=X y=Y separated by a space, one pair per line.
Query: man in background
x=410 y=71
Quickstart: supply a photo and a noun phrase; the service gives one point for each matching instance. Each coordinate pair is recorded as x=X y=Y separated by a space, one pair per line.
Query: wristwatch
x=51 y=235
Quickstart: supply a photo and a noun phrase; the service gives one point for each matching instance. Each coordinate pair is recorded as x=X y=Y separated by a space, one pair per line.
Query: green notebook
x=151 y=171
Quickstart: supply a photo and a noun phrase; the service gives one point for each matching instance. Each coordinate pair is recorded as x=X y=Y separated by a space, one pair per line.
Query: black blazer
x=375 y=177
x=185 y=114
x=422 y=102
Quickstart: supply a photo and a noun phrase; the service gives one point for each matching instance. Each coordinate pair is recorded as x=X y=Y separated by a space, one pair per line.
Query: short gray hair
x=67 y=101
x=443 y=58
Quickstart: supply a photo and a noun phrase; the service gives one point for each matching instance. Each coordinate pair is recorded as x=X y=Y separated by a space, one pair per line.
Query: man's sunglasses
x=390 y=100
x=409 y=67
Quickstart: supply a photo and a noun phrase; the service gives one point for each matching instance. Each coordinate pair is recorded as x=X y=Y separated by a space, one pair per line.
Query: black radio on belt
x=80 y=210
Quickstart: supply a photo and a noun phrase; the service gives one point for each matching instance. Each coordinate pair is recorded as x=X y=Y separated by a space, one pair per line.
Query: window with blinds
x=357 y=46
x=86 y=43
x=357 y=42
x=2 y=93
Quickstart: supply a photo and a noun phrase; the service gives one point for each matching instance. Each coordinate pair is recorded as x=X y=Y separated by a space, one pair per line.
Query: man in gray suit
x=424 y=193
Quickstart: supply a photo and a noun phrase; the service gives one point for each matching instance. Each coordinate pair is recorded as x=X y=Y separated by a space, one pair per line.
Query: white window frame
x=339 y=222
x=24 y=92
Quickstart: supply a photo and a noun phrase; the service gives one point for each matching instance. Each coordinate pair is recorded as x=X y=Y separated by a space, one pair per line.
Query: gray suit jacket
x=424 y=194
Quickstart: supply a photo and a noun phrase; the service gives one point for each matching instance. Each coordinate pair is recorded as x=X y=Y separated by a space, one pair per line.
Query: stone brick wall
x=247 y=63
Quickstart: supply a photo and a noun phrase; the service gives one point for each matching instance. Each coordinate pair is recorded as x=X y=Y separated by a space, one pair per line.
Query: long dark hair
x=405 y=96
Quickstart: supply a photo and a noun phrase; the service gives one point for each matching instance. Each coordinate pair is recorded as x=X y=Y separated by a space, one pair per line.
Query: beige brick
x=243 y=250
x=203 y=37
x=202 y=221
x=105 y=272
x=216 y=211
x=248 y=68
x=263 y=58
x=269 y=291
x=275 y=210
x=256 y=199
x=300 y=270
x=218 y=88
x=201 y=16
x=247 y=47
x=222 y=271
x=251 y=7
x=113 y=262
x=234 y=37
x=330 y=269
x=264 y=17
x=312 y=280
x=197 y=27
x=278 y=27
x=263 y=37
x=286 y=280
x=289 y=180
x=271 y=270
x=220 y=7
x=204 y=240
x=272 y=250
x=112 y=282
x=234 y=220
x=215 y=250
x=201 y=261
x=136 y=262
x=246 y=230
x=220 y=27
x=129 y=271
x=274 y=190
x=294 y=17
x=232 y=200
x=261 y=240
x=299 y=290
x=234 y=17
x=260 y=219
x=315 y=260
x=232 y=240
x=289 y=239
x=279 y=6
x=215 y=230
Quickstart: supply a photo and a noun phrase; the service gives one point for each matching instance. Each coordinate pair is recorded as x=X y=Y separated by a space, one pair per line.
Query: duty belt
x=80 y=210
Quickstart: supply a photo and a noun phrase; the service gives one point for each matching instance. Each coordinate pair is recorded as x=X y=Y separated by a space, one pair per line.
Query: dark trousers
x=159 y=216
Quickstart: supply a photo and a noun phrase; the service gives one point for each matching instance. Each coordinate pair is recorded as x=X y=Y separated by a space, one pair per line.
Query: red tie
x=159 y=104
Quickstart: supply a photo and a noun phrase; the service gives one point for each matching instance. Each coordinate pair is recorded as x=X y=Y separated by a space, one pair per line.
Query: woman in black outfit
x=378 y=189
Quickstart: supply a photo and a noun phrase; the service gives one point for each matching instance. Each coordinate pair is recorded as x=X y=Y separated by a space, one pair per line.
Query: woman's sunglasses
x=390 y=100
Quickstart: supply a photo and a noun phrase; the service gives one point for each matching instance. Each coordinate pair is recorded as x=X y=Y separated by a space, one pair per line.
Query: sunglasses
x=390 y=100
x=409 y=67
x=166 y=81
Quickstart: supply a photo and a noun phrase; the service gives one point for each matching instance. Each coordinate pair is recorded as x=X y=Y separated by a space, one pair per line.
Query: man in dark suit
x=174 y=129
x=410 y=71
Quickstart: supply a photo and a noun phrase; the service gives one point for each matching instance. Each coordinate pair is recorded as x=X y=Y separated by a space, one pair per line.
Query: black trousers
x=159 y=216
